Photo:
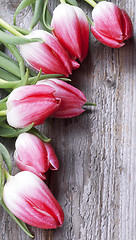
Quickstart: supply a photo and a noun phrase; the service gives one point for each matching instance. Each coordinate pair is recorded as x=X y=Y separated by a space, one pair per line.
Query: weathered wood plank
x=96 y=181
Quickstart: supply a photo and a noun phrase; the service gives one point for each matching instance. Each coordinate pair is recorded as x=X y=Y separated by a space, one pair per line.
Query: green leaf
x=3 y=105
x=2 y=118
x=8 y=76
x=21 y=224
x=1 y=177
x=72 y=2
x=47 y=17
x=24 y=81
x=6 y=157
x=35 y=79
x=9 y=66
x=2 y=54
x=40 y=135
x=10 y=39
x=21 y=6
x=9 y=132
x=37 y=13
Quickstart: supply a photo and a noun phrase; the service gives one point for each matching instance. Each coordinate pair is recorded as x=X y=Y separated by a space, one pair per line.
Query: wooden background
x=96 y=182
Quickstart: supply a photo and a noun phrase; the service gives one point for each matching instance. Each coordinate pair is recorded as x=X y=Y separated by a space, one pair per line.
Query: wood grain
x=96 y=182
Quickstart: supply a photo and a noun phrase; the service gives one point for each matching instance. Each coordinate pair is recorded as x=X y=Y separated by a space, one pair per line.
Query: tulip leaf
x=47 y=17
x=3 y=105
x=6 y=157
x=8 y=76
x=1 y=177
x=9 y=66
x=9 y=132
x=21 y=6
x=10 y=39
x=37 y=13
x=21 y=224
x=40 y=135
x=24 y=80
x=72 y=2
x=2 y=118
x=36 y=78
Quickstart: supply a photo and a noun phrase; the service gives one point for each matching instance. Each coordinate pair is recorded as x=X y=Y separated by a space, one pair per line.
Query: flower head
x=112 y=25
x=29 y=199
x=49 y=56
x=33 y=155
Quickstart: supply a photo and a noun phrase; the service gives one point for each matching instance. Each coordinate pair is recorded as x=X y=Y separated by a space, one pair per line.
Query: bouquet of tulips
x=54 y=51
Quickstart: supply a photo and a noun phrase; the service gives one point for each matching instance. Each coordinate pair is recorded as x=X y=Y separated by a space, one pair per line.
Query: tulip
x=49 y=56
x=112 y=25
x=71 y=27
x=33 y=155
x=30 y=104
x=72 y=99
x=29 y=199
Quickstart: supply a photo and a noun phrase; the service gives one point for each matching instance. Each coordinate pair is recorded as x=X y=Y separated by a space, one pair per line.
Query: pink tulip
x=49 y=56
x=30 y=104
x=33 y=155
x=72 y=99
x=72 y=30
x=29 y=199
x=112 y=25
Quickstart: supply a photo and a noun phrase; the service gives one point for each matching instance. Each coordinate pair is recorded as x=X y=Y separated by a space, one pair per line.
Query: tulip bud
x=49 y=56
x=33 y=155
x=112 y=25
x=72 y=99
x=72 y=30
x=29 y=199
x=30 y=104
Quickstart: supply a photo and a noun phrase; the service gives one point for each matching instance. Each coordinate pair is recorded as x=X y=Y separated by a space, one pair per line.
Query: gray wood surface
x=96 y=182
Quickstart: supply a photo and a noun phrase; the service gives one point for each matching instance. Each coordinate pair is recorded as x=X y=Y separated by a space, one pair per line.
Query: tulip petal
x=72 y=99
x=71 y=28
x=127 y=25
x=105 y=40
x=52 y=158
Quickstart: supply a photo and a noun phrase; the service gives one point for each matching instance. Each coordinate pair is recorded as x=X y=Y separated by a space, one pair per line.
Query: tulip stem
x=7 y=84
x=3 y=113
x=6 y=174
x=89 y=104
x=62 y=1
x=91 y=2
x=10 y=28
x=17 y=55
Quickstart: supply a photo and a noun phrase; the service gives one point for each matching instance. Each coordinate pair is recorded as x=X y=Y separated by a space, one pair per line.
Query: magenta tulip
x=49 y=56
x=33 y=155
x=29 y=199
x=112 y=25
x=30 y=104
x=72 y=99
x=72 y=30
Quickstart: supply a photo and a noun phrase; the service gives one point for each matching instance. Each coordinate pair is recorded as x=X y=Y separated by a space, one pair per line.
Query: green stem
x=3 y=113
x=8 y=84
x=10 y=28
x=7 y=175
x=62 y=1
x=9 y=66
x=17 y=55
x=21 y=30
x=89 y=104
x=91 y=2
